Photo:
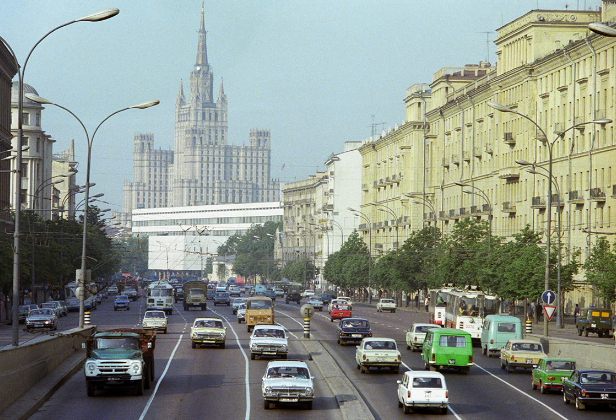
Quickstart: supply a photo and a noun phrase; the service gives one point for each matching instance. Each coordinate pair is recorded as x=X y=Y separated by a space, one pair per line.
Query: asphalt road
x=211 y=382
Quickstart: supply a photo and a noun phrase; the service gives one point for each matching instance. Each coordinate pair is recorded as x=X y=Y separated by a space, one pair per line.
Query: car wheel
x=194 y=345
x=409 y=348
x=565 y=399
x=407 y=409
x=331 y=319
x=309 y=405
x=502 y=364
x=426 y=366
x=393 y=312
x=165 y=331
x=222 y=346
x=579 y=332
x=395 y=369
x=542 y=387
x=600 y=333
x=139 y=387
x=433 y=368
x=585 y=332
x=358 y=367
x=484 y=350
x=444 y=410
x=90 y=388
x=266 y=404
x=532 y=382
x=510 y=368
x=363 y=369
x=578 y=404
x=465 y=370
x=338 y=340
x=148 y=380
x=252 y=356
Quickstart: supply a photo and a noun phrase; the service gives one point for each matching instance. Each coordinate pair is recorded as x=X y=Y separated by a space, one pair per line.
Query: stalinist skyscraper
x=202 y=169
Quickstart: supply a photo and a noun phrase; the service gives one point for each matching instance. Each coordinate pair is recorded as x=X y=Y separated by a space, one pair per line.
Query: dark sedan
x=353 y=329
x=590 y=387
x=222 y=298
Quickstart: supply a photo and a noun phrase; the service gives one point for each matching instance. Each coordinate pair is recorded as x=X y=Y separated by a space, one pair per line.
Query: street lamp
x=425 y=201
x=364 y=217
x=95 y=17
x=549 y=145
x=82 y=276
x=382 y=207
x=483 y=195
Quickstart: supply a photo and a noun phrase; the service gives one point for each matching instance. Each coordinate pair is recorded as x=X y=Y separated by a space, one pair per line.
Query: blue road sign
x=548 y=297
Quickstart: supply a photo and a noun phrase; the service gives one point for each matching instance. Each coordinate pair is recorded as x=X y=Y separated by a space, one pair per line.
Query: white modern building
x=181 y=239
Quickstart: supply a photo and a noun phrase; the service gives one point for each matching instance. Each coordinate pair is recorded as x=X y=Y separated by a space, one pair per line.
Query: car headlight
x=135 y=367
x=308 y=391
x=268 y=390
x=90 y=367
x=253 y=346
x=284 y=346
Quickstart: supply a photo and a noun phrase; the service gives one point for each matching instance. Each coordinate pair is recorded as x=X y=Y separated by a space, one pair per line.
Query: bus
x=437 y=305
x=466 y=309
x=160 y=297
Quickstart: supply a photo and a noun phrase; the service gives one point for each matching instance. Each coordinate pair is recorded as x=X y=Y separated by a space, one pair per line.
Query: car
x=336 y=301
x=210 y=294
x=551 y=372
x=42 y=318
x=72 y=304
x=497 y=330
x=378 y=352
x=222 y=298
x=131 y=292
x=63 y=308
x=270 y=293
x=155 y=320
x=353 y=329
x=54 y=306
x=416 y=335
x=121 y=302
x=420 y=389
x=590 y=387
x=594 y=320
x=112 y=290
x=241 y=313
x=268 y=340
x=308 y=293
x=523 y=354
x=208 y=331
x=234 y=291
x=279 y=291
x=327 y=297
x=24 y=310
x=236 y=303
x=288 y=382
x=316 y=303
x=386 y=305
x=178 y=293
x=340 y=311
x=448 y=348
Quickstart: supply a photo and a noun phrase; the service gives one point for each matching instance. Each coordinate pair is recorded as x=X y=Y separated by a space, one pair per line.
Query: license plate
x=356 y=335
x=593 y=325
x=605 y=396
x=530 y=361
x=114 y=379
x=428 y=394
x=288 y=400
x=452 y=361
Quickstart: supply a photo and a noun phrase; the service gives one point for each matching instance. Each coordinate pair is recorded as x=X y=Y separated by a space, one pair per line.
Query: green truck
x=294 y=293
x=120 y=357
x=195 y=295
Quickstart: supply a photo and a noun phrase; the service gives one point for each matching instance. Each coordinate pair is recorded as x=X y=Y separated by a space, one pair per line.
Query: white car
x=155 y=320
x=241 y=313
x=287 y=381
x=342 y=300
x=417 y=334
x=308 y=293
x=268 y=340
x=379 y=353
x=386 y=305
x=54 y=306
x=423 y=389
x=236 y=303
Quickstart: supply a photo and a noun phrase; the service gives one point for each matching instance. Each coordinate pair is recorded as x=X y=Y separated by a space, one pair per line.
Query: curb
x=32 y=400
x=351 y=404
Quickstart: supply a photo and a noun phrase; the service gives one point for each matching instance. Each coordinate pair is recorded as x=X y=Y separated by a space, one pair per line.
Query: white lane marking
x=246 y=375
x=147 y=406
x=523 y=393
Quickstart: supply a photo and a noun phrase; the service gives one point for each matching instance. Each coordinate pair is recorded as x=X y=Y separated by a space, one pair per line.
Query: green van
x=448 y=348
x=497 y=330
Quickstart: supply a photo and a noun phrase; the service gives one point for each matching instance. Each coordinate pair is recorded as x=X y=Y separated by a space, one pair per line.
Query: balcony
x=475 y=209
x=538 y=202
x=510 y=173
x=597 y=194
x=362 y=226
x=466 y=156
x=462 y=211
x=576 y=197
x=477 y=151
x=509 y=139
x=364 y=187
x=452 y=213
x=508 y=207
x=455 y=159
x=557 y=200
x=486 y=208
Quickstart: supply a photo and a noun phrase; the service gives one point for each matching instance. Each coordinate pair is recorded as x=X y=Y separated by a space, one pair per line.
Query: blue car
x=121 y=302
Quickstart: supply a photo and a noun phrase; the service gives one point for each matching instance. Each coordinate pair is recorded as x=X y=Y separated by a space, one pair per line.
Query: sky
x=315 y=73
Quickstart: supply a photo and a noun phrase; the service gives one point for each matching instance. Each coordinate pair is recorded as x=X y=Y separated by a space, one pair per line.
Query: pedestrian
x=417 y=300
x=408 y=299
x=576 y=312
x=427 y=302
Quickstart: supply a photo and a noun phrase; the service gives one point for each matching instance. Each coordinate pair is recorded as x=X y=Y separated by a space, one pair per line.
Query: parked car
x=268 y=340
x=497 y=330
x=340 y=311
x=42 y=318
x=386 y=305
x=121 y=302
x=447 y=348
x=594 y=320
x=236 y=304
x=590 y=387
x=353 y=329
x=155 y=320
x=208 y=331
x=63 y=308
x=24 y=311
x=523 y=354
x=551 y=372
x=287 y=381
x=72 y=304
x=419 y=389
x=381 y=353
x=241 y=313
x=222 y=298
x=316 y=303
x=417 y=334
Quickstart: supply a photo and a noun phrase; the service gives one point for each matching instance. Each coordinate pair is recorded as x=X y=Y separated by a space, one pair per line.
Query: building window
x=25 y=118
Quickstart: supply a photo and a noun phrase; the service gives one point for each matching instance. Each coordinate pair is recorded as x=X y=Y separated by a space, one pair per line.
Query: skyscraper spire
x=202 y=47
x=222 y=90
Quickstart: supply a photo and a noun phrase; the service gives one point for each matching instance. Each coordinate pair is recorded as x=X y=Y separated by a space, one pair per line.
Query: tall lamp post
x=481 y=193
x=82 y=275
x=95 y=17
x=382 y=207
x=364 y=217
x=544 y=139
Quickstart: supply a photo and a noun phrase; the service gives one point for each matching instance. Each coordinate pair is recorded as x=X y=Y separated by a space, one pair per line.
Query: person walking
x=576 y=312
x=417 y=300
x=427 y=302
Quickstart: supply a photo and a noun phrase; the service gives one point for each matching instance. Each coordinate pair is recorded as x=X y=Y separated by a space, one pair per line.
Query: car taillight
x=399 y=357
x=583 y=393
x=470 y=359
x=512 y=357
x=492 y=341
x=433 y=357
x=415 y=339
x=446 y=394
x=408 y=394
x=551 y=378
x=370 y=334
x=364 y=357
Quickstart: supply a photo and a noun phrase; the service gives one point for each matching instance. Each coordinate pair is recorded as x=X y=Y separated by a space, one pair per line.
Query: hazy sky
x=313 y=72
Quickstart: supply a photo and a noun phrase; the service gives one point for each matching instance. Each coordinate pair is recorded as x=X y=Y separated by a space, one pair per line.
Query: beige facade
x=553 y=70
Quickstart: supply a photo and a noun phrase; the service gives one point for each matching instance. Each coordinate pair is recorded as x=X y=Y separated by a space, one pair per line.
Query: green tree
x=600 y=269
x=350 y=266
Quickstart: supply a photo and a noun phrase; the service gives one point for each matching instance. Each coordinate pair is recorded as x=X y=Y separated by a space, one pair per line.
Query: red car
x=339 y=312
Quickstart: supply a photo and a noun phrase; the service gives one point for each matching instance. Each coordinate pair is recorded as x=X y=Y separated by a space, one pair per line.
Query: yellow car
x=208 y=331
x=521 y=354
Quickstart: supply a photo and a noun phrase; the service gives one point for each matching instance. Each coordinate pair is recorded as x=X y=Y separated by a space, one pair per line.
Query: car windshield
x=427 y=383
x=423 y=328
x=40 y=312
x=273 y=333
x=341 y=307
x=161 y=292
x=287 y=372
x=355 y=323
x=506 y=327
x=527 y=347
x=208 y=324
x=559 y=365
x=116 y=343
x=452 y=341
x=259 y=304
x=387 y=301
x=195 y=292
x=122 y=297
x=380 y=345
x=597 y=378
x=154 y=314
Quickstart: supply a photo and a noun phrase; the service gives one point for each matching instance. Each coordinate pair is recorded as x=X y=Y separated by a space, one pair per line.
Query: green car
x=447 y=348
x=551 y=372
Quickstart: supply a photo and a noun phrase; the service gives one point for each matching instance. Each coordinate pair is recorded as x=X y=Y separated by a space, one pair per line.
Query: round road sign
x=306 y=310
